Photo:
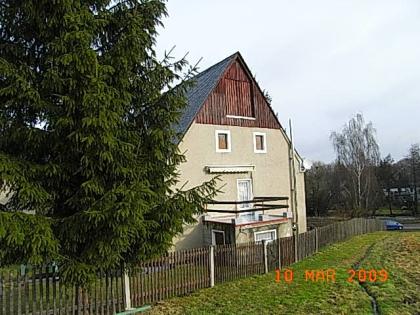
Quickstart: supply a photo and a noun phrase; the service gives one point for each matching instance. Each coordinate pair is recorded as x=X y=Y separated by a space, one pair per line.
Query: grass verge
x=397 y=253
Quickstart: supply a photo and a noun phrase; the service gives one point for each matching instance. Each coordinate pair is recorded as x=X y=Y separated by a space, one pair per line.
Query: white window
x=269 y=236
x=245 y=194
x=260 y=142
x=223 y=142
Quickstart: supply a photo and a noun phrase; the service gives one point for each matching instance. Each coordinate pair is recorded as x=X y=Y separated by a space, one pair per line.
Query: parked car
x=393 y=225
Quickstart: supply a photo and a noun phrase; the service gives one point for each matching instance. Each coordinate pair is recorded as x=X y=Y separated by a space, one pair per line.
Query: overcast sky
x=321 y=61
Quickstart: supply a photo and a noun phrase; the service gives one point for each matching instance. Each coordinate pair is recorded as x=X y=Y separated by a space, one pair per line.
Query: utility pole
x=415 y=160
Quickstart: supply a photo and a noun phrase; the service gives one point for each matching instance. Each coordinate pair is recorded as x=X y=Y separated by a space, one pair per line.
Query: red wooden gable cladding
x=237 y=94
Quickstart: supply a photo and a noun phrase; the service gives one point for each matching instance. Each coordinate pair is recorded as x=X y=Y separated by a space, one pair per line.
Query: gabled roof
x=204 y=84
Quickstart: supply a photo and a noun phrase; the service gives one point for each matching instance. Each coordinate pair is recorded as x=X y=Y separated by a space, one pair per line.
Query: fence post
x=280 y=252
x=316 y=240
x=265 y=256
x=295 y=244
x=127 y=293
x=211 y=263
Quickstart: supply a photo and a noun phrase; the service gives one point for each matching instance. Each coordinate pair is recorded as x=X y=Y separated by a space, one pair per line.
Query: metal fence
x=39 y=291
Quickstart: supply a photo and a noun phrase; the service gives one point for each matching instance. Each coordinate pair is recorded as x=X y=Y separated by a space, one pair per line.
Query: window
x=245 y=194
x=223 y=143
x=269 y=236
x=218 y=237
x=260 y=143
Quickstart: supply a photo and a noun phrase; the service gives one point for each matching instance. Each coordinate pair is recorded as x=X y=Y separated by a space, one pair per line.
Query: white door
x=245 y=194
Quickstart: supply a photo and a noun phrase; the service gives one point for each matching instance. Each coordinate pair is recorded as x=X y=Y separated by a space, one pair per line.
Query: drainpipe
x=292 y=171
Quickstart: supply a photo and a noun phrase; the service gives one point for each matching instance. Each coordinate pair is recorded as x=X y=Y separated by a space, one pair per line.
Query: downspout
x=292 y=171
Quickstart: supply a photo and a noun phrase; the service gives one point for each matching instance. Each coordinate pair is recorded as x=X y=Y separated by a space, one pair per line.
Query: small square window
x=260 y=143
x=223 y=143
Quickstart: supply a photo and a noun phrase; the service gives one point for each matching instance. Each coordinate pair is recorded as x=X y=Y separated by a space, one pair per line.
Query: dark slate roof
x=204 y=84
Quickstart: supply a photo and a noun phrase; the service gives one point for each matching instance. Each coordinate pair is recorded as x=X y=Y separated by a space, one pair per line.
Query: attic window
x=223 y=141
x=260 y=143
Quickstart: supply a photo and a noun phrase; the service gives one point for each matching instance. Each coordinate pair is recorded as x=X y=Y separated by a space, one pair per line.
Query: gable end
x=237 y=101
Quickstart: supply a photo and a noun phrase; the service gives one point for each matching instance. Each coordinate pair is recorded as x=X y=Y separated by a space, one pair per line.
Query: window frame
x=251 y=192
x=213 y=236
x=229 y=141
x=265 y=231
x=264 y=135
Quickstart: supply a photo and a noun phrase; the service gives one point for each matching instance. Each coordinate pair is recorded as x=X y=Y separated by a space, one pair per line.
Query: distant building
x=403 y=194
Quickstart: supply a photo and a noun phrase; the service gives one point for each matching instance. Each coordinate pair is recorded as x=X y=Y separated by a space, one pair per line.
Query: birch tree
x=357 y=152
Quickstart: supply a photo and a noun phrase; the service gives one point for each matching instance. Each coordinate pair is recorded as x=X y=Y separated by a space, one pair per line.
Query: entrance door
x=244 y=194
x=218 y=237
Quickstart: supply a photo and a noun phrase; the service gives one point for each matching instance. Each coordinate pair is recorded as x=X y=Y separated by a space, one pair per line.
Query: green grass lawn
x=397 y=253
x=396 y=211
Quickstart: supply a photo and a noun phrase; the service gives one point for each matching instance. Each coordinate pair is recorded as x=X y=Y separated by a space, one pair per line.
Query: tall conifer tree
x=87 y=143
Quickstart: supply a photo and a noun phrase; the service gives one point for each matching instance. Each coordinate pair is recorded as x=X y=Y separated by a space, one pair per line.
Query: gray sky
x=321 y=61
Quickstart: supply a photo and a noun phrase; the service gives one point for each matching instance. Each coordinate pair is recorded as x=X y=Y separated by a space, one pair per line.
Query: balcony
x=251 y=215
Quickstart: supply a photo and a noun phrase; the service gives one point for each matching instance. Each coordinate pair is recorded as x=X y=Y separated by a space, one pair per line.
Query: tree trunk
x=415 y=190
x=359 y=192
x=389 y=200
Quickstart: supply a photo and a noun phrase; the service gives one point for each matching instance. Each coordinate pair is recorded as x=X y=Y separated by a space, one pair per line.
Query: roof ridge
x=215 y=65
x=196 y=95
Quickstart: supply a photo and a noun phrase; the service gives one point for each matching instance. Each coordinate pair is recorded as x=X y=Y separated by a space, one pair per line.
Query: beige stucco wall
x=3 y=195
x=301 y=204
x=270 y=176
x=245 y=235
x=193 y=236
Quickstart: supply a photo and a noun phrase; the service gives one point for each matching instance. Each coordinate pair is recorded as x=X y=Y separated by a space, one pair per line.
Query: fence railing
x=39 y=291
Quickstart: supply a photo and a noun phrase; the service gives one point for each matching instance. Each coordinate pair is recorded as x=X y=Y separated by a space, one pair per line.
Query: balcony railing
x=255 y=213
x=257 y=204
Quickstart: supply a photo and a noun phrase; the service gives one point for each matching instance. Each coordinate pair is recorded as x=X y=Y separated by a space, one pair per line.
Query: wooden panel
x=237 y=94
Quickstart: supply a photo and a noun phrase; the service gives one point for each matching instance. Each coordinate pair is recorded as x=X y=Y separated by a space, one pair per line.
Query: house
x=404 y=196
x=229 y=129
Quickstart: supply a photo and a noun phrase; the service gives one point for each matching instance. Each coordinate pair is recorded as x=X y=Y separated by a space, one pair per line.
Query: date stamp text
x=330 y=275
